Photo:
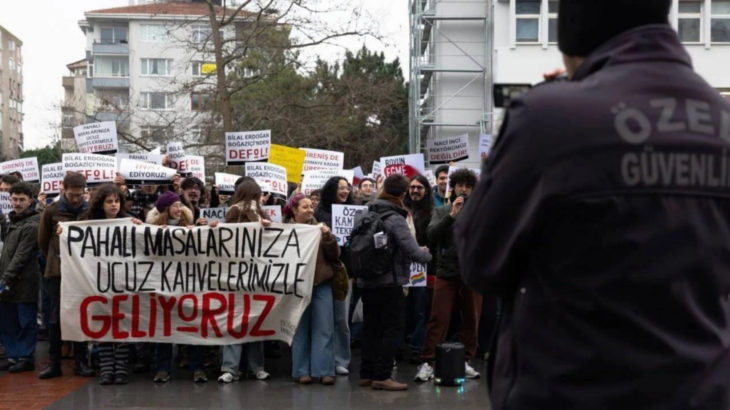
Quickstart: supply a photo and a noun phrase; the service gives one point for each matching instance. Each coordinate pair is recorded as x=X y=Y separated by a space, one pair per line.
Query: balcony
x=110 y=82
x=118 y=49
x=68 y=82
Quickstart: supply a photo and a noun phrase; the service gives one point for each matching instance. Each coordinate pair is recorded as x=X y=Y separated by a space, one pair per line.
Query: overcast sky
x=51 y=39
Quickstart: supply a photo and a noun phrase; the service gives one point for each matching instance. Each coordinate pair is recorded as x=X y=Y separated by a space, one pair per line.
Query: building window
x=689 y=21
x=154 y=32
x=11 y=45
x=528 y=21
x=720 y=24
x=156 y=132
x=201 y=68
x=200 y=101
x=552 y=21
x=112 y=66
x=201 y=34
x=155 y=101
x=11 y=64
x=113 y=35
x=156 y=66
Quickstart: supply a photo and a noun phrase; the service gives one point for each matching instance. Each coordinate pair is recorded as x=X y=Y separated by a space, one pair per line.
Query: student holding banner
x=313 y=346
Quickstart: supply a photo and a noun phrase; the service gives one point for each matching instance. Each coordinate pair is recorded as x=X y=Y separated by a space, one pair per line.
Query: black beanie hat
x=396 y=184
x=584 y=25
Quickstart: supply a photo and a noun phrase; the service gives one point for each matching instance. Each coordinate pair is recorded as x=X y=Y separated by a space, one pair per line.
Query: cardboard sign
x=408 y=165
x=418 y=277
x=214 y=214
x=477 y=172
x=249 y=146
x=273 y=212
x=5 y=205
x=323 y=159
x=343 y=219
x=290 y=158
x=140 y=156
x=226 y=183
x=194 y=166
x=442 y=150
x=137 y=173
x=376 y=170
x=485 y=145
x=52 y=179
x=271 y=174
x=233 y=284
x=314 y=180
x=97 y=169
x=97 y=138
x=175 y=154
x=28 y=168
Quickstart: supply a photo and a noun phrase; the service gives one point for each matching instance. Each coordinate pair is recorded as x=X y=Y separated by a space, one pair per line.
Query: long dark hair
x=329 y=193
x=96 y=204
x=246 y=192
x=422 y=209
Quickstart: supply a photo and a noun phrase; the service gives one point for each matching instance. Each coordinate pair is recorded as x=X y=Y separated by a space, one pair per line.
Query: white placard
x=139 y=156
x=5 y=206
x=418 y=277
x=376 y=170
x=343 y=219
x=97 y=138
x=226 y=183
x=408 y=165
x=52 y=179
x=175 y=154
x=28 y=168
x=249 y=146
x=214 y=214
x=430 y=177
x=442 y=150
x=323 y=159
x=144 y=173
x=97 y=169
x=485 y=145
x=193 y=165
x=314 y=180
x=273 y=212
x=270 y=174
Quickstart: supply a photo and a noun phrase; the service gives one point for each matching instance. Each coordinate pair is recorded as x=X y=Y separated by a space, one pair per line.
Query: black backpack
x=367 y=261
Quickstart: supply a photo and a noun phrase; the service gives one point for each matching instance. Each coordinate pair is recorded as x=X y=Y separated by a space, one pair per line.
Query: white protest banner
x=143 y=173
x=442 y=150
x=28 y=168
x=249 y=146
x=343 y=219
x=193 y=165
x=323 y=159
x=314 y=180
x=418 y=275
x=214 y=214
x=273 y=212
x=97 y=169
x=476 y=171
x=175 y=154
x=485 y=145
x=408 y=165
x=5 y=206
x=97 y=138
x=139 y=156
x=376 y=170
x=236 y=283
x=52 y=178
x=269 y=174
x=226 y=183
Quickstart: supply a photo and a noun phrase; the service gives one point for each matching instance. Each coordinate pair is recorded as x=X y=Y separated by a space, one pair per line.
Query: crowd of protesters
x=388 y=321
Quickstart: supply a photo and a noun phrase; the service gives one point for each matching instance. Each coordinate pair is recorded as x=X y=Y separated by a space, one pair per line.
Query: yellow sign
x=207 y=68
x=290 y=158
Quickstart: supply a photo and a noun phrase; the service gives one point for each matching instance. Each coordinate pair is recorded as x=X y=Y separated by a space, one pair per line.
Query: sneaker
x=199 y=376
x=327 y=380
x=227 y=377
x=161 y=376
x=6 y=364
x=121 y=379
x=469 y=371
x=50 y=372
x=262 y=375
x=305 y=380
x=388 y=384
x=342 y=370
x=22 y=366
x=425 y=373
x=106 y=379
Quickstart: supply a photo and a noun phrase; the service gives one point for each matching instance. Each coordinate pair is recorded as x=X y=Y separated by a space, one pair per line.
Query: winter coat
x=327 y=254
x=153 y=214
x=54 y=213
x=405 y=248
x=19 y=259
x=602 y=218
x=440 y=233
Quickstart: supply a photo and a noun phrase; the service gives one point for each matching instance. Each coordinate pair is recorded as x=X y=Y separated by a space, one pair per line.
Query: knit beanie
x=396 y=184
x=165 y=200
x=584 y=25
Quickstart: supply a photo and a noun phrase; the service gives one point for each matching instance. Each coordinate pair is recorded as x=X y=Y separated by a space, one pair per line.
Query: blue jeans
x=313 y=345
x=342 y=332
x=19 y=329
x=416 y=308
x=231 y=357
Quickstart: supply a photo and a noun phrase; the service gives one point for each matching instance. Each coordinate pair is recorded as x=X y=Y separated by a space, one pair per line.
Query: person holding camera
x=449 y=288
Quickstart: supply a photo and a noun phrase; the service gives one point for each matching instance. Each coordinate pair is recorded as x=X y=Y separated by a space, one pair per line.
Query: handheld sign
x=140 y=156
x=270 y=174
x=273 y=212
x=143 y=173
x=290 y=158
x=314 y=180
x=485 y=145
x=376 y=170
x=418 y=275
x=97 y=169
x=214 y=214
x=343 y=220
x=28 y=168
x=194 y=165
x=323 y=159
x=408 y=165
x=249 y=146
x=357 y=175
x=226 y=183
x=5 y=206
x=446 y=149
x=52 y=178
x=97 y=138
x=176 y=154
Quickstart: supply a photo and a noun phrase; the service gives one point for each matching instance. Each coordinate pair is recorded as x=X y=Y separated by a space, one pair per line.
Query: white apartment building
x=11 y=96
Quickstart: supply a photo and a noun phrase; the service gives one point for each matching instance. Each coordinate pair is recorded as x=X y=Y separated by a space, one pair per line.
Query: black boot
x=82 y=369
x=51 y=371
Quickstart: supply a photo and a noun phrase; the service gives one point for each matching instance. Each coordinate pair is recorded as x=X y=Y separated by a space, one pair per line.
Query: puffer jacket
x=406 y=249
x=440 y=232
x=54 y=213
x=19 y=260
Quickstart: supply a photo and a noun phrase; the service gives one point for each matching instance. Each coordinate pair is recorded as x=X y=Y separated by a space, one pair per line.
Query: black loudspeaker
x=449 y=364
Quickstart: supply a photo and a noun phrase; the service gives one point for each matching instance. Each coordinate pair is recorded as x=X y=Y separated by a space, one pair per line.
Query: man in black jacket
x=603 y=220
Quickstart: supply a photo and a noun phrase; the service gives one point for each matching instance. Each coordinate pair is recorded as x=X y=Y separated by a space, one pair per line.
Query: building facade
x=11 y=96
x=73 y=109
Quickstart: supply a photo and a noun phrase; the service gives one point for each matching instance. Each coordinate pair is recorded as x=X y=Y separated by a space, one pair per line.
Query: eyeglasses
x=417 y=188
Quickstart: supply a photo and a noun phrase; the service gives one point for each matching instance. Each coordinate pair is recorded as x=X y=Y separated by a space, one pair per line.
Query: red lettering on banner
x=117 y=317
x=106 y=322
x=244 y=318
x=167 y=306
x=135 y=318
x=209 y=314
x=153 y=316
x=256 y=330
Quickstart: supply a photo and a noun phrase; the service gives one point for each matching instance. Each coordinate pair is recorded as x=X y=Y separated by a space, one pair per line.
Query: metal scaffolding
x=436 y=31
